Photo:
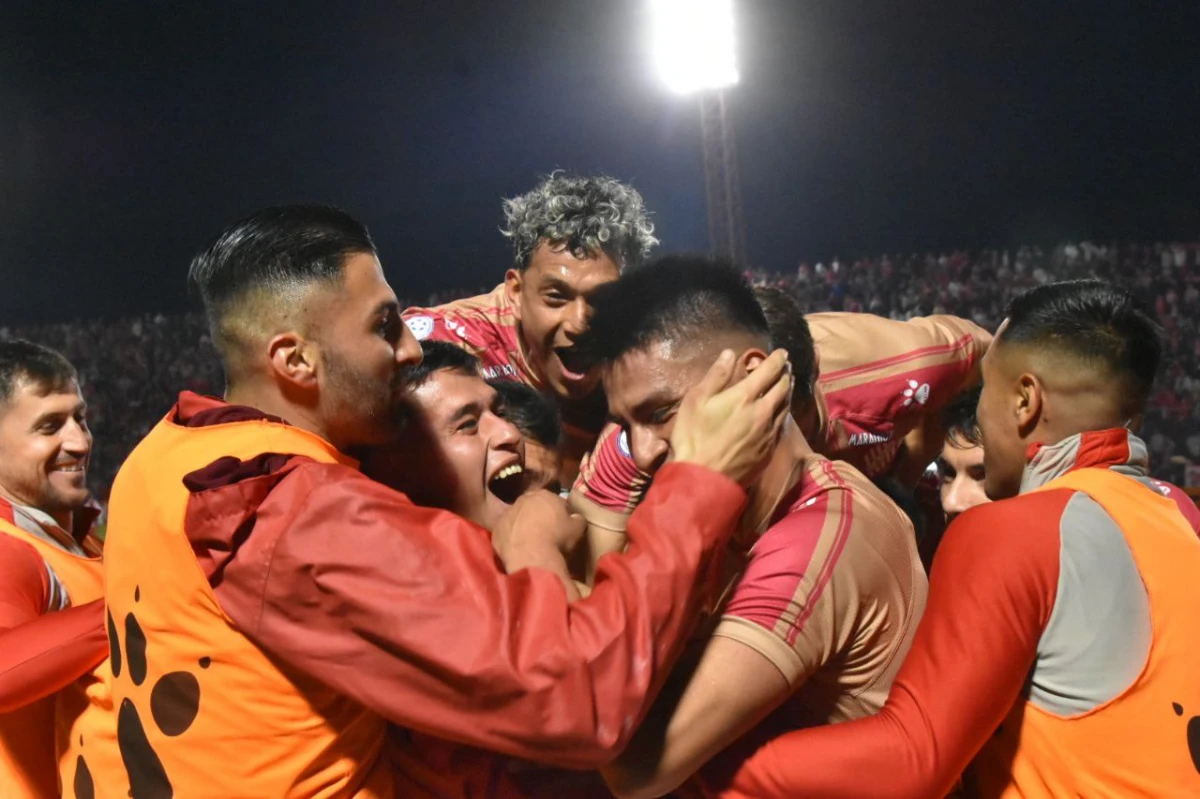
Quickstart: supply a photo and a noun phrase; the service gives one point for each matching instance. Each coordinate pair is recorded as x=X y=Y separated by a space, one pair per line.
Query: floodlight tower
x=694 y=51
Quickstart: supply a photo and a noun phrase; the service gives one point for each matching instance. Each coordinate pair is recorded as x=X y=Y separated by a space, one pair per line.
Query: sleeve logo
x=421 y=326
x=916 y=391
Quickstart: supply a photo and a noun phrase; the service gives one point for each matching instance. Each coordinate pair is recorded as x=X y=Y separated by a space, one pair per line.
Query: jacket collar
x=1116 y=449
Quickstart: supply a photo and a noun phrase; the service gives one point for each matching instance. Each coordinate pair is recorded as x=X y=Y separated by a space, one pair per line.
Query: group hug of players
x=623 y=526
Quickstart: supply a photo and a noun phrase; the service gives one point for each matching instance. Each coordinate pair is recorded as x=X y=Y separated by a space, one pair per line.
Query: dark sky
x=130 y=133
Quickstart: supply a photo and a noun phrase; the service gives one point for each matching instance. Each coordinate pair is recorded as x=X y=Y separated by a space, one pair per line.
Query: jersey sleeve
x=48 y=653
x=773 y=608
x=608 y=477
x=880 y=377
x=410 y=615
x=992 y=592
x=26 y=591
x=40 y=651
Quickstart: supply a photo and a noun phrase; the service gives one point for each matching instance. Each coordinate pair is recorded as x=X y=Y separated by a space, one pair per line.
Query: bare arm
x=701 y=711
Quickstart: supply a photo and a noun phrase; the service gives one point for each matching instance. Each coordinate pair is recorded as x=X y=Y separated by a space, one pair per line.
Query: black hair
x=1096 y=322
x=531 y=412
x=23 y=361
x=789 y=330
x=959 y=421
x=439 y=356
x=677 y=297
x=275 y=249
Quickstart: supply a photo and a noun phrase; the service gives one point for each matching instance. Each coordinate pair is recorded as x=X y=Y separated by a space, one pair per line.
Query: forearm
x=605 y=531
x=706 y=706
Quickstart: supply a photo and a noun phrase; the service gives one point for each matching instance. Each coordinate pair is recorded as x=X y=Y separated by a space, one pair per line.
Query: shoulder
x=1011 y=538
x=19 y=560
x=26 y=577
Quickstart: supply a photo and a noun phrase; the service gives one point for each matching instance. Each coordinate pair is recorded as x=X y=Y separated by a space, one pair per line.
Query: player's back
x=485 y=326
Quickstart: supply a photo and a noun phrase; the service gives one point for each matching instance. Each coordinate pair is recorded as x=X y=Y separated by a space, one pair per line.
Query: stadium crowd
x=132 y=369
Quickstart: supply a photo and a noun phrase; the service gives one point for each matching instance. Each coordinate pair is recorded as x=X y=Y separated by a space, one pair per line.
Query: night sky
x=130 y=133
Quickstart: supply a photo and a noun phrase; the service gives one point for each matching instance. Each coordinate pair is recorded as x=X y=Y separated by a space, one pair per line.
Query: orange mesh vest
x=42 y=741
x=201 y=710
x=1145 y=742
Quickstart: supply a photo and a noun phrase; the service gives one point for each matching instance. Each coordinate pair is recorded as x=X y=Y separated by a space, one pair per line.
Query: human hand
x=733 y=429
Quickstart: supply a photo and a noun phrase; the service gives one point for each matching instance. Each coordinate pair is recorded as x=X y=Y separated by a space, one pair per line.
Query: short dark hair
x=23 y=361
x=275 y=249
x=440 y=356
x=677 y=297
x=959 y=421
x=1096 y=322
x=531 y=412
x=789 y=329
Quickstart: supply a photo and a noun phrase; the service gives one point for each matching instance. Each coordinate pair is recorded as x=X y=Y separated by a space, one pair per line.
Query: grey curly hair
x=587 y=215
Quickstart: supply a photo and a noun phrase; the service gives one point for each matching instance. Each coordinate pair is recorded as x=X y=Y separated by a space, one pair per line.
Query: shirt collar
x=41 y=524
x=1116 y=448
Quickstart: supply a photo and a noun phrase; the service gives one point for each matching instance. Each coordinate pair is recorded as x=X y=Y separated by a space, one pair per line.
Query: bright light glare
x=693 y=44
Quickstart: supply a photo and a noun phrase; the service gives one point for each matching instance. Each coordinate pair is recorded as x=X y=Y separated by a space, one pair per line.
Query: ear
x=1030 y=401
x=294 y=359
x=749 y=360
x=512 y=286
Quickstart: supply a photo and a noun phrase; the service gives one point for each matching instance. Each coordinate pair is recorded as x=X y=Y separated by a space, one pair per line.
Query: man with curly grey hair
x=569 y=234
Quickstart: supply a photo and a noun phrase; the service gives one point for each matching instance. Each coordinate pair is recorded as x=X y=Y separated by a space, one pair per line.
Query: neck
x=271 y=402
x=1080 y=412
x=63 y=519
x=781 y=475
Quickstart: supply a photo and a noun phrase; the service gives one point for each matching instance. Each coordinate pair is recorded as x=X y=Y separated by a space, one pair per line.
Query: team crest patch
x=421 y=326
x=623 y=444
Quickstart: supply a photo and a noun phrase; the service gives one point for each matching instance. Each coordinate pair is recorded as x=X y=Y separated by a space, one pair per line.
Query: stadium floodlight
x=693 y=44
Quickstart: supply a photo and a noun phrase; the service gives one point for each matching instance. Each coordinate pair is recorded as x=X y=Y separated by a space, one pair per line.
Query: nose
x=502 y=434
x=408 y=352
x=76 y=439
x=575 y=318
x=648 y=449
x=954 y=500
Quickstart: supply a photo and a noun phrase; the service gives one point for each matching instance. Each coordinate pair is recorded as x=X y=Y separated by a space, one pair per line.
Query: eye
x=50 y=427
x=663 y=414
x=388 y=328
x=467 y=426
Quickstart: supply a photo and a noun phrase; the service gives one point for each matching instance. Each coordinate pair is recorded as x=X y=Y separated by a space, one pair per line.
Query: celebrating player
x=470 y=459
x=1060 y=642
x=51 y=616
x=817 y=624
